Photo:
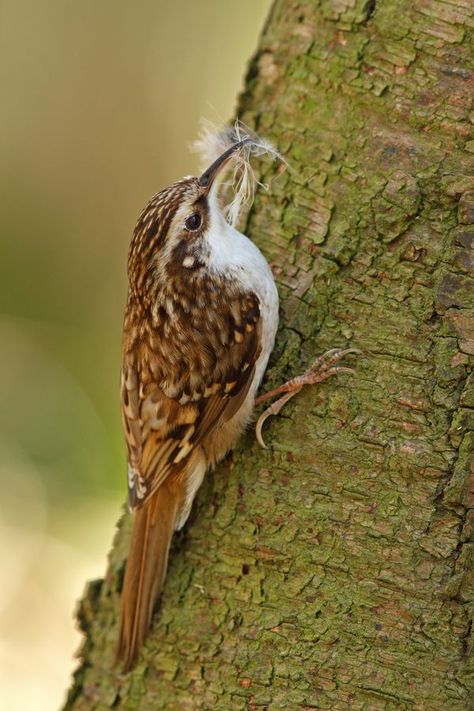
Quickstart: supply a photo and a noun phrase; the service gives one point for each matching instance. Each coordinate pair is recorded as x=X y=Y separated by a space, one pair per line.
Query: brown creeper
x=200 y=323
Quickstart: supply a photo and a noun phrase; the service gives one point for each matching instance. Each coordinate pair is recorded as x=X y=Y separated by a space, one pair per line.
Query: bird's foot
x=323 y=368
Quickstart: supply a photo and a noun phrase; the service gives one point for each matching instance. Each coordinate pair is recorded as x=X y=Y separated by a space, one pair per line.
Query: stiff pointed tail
x=145 y=572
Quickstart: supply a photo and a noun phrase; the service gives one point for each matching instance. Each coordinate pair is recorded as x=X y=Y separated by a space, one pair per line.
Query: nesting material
x=213 y=141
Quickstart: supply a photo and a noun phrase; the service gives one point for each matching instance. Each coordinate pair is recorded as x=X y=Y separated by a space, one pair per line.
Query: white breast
x=232 y=253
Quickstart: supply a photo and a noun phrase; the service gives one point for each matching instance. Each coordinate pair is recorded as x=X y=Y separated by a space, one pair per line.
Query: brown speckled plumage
x=185 y=368
x=192 y=340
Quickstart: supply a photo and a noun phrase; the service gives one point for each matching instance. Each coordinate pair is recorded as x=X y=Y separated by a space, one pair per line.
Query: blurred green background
x=99 y=102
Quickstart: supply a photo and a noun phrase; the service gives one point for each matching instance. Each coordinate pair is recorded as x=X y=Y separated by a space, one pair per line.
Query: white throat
x=231 y=251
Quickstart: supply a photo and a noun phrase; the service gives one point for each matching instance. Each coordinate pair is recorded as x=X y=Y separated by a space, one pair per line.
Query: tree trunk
x=332 y=571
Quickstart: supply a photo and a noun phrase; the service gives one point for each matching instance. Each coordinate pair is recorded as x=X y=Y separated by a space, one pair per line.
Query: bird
x=199 y=326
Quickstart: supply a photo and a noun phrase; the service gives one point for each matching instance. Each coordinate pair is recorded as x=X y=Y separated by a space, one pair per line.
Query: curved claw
x=328 y=354
x=351 y=350
x=258 y=429
x=274 y=409
x=330 y=357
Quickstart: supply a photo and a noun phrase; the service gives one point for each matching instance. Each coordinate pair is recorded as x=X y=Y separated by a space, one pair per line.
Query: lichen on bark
x=334 y=570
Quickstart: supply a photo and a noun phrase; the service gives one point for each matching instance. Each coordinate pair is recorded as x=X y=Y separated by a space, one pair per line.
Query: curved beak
x=209 y=175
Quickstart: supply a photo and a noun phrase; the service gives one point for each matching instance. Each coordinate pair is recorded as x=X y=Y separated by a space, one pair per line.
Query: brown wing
x=166 y=417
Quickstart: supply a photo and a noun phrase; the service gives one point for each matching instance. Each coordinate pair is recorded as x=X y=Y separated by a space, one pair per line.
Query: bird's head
x=171 y=231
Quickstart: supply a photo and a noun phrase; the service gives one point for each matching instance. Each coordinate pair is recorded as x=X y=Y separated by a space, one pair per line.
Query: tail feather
x=145 y=572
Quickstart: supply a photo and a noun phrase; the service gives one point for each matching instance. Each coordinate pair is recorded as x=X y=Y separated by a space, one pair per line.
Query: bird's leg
x=323 y=368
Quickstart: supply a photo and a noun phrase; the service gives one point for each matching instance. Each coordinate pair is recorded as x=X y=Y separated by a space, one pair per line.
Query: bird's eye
x=193 y=222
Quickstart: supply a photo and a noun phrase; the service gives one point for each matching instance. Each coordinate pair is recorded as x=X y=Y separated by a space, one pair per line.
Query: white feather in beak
x=212 y=142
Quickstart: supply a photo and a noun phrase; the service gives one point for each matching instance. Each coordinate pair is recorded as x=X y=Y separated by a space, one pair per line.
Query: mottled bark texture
x=332 y=571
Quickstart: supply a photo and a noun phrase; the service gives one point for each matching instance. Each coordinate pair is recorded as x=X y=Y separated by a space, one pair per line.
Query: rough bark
x=332 y=571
